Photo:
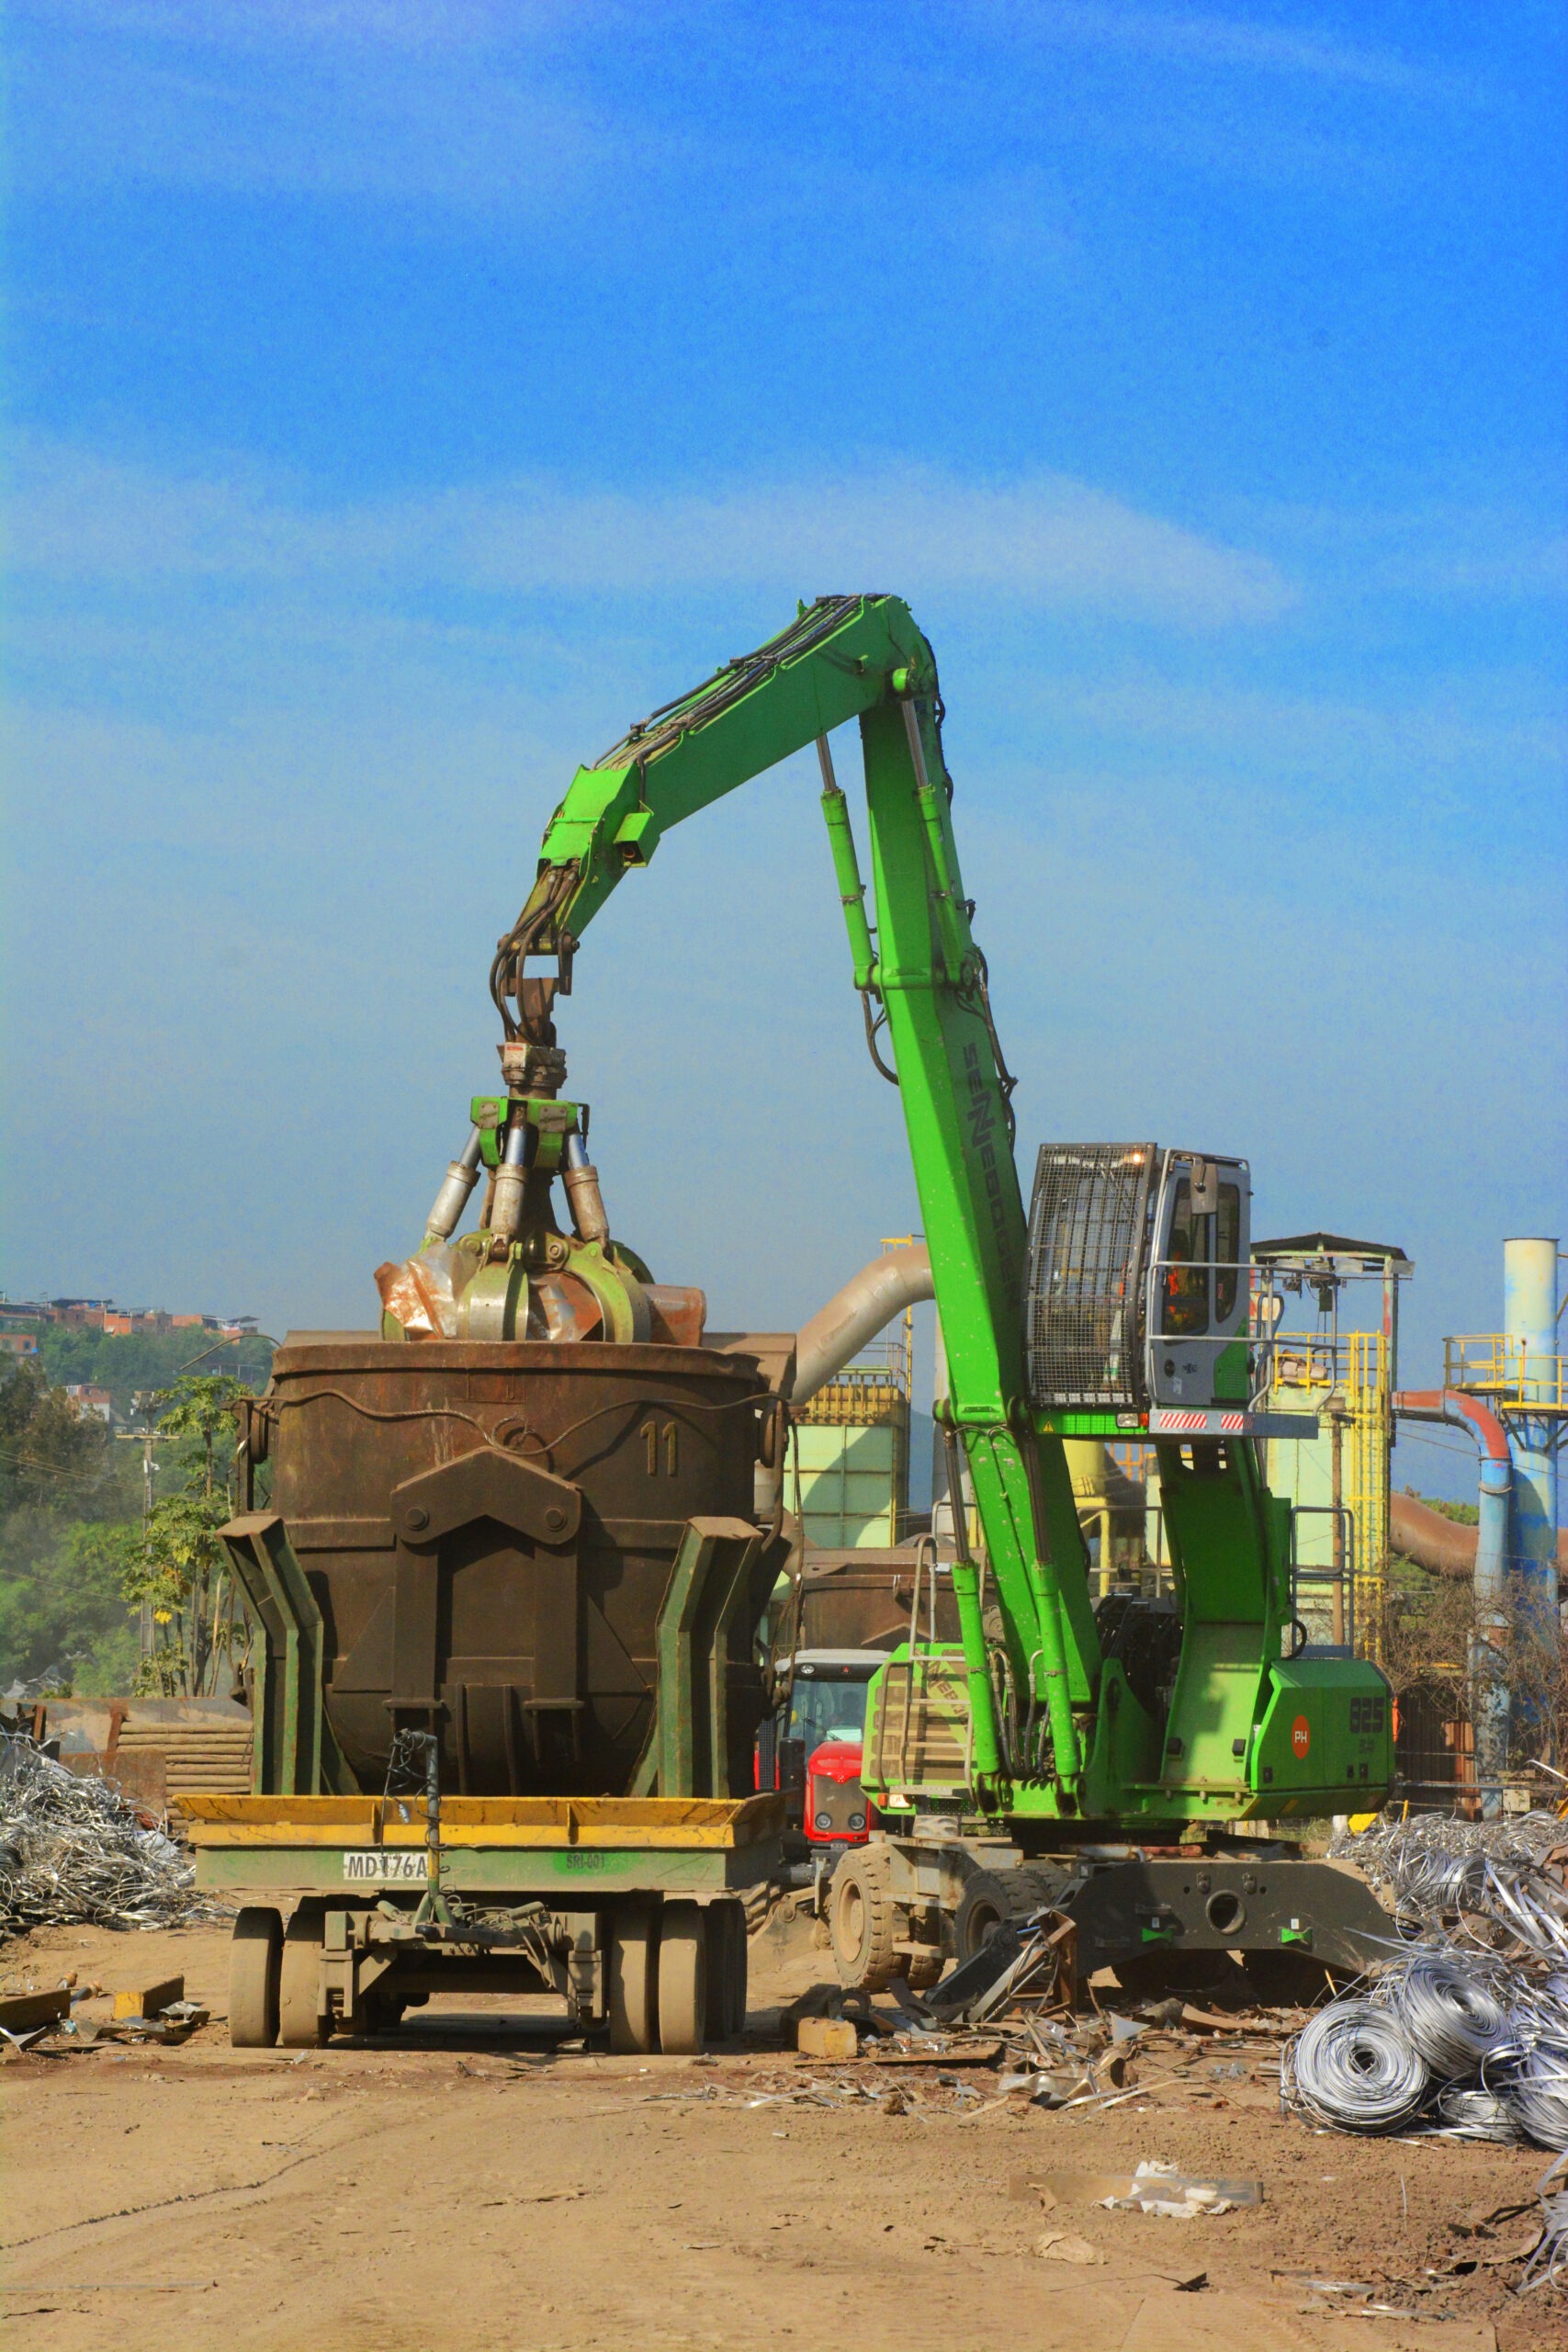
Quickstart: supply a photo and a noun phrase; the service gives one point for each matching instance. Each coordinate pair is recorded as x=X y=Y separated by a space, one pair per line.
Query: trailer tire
x=727 y=1972
x=634 y=1981
x=301 y=2025
x=682 y=1979
x=993 y=1899
x=255 y=1952
x=861 y=1919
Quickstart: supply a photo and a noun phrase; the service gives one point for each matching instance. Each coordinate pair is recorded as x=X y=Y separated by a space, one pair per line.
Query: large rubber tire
x=862 y=1920
x=727 y=1972
x=634 y=1981
x=255 y=1952
x=924 y=1968
x=993 y=1899
x=682 y=1979
x=738 y=1970
x=299 y=2022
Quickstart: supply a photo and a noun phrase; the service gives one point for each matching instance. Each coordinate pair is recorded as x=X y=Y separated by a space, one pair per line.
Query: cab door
x=1197 y=1301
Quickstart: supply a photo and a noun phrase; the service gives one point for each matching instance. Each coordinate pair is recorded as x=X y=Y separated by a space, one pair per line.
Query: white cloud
x=1043 y=539
x=1182 y=36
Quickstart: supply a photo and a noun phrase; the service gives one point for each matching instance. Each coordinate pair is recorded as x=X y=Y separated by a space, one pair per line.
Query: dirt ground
x=471 y=2177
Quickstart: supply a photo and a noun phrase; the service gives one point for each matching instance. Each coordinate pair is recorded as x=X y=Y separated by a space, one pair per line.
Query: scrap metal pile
x=74 y=1850
x=1491 y=1882
x=1465 y=2032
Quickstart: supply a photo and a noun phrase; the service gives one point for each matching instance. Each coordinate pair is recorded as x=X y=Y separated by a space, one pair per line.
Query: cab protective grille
x=1088 y=1227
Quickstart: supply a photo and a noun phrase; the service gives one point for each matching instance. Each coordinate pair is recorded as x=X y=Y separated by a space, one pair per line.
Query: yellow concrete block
x=827 y=2038
x=146 y=2000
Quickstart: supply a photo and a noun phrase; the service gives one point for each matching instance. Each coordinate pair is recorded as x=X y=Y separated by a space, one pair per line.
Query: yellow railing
x=1496 y=1364
x=1345 y=1380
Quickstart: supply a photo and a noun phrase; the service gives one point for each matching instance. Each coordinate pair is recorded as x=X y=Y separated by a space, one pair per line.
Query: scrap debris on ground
x=1465 y=2018
x=759 y=2171
x=73 y=1850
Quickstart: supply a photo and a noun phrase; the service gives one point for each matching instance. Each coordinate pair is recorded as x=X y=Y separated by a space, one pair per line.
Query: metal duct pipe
x=866 y=1304
x=1529 y=1318
x=1451 y=1405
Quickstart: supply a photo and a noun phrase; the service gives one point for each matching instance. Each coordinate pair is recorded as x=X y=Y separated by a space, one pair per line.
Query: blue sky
x=402 y=397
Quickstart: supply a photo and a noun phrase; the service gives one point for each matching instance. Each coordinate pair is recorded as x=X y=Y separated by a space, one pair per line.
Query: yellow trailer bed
x=489 y=1845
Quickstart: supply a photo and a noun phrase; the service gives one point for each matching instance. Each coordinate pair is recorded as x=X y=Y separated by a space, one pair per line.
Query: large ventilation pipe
x=866 y=1304
x=1529 y=1316
x=1491 y=1708
x=837 y=1333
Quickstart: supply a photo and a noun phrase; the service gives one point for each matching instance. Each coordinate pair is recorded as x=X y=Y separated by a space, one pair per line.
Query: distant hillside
x=146 y=1360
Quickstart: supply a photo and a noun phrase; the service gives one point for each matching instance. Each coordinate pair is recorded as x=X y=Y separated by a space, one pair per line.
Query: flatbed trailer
x=632 y=1909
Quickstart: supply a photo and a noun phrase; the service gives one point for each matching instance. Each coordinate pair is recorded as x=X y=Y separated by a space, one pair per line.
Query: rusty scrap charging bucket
x=490 y=1533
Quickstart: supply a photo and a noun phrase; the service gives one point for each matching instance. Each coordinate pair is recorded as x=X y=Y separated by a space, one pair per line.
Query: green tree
x=179 y=1570
x=200 y=1406
x=67 y=1500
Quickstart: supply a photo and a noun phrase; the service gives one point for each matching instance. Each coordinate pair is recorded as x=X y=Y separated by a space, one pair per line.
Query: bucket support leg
x=296 y=1754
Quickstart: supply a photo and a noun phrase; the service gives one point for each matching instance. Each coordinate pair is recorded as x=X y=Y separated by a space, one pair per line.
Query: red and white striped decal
x=1183 y=1421
x=1233 y=1424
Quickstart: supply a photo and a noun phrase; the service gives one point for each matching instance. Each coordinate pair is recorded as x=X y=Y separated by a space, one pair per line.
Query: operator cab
x=1195 y=1347
x=1137 y=1282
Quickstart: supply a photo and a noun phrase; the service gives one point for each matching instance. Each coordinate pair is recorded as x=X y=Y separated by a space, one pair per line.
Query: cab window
x=1186 y=1276
x=1227 y=1252
x=828 y=1709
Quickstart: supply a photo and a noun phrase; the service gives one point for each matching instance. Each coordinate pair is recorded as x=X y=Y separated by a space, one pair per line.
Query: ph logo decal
x=1300 y=1738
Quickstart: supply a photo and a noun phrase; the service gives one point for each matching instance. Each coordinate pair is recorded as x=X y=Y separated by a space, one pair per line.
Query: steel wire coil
x=1469 y=2112
x=1531 y=2076
x=1484 y=1879
x=1451 y=2010
x=1353 y=2068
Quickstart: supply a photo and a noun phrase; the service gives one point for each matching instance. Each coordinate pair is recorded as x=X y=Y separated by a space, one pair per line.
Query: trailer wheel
x=682 y=1979
x=301 y=2025
x=861 y=1919
x=634 y=1981
x=727 y=1972
x=256 y=1951
x=740 y=1968
x=924 y=1969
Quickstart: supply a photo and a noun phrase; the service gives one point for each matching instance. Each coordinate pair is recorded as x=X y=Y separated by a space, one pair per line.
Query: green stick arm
x=848 y=657
x=832 y=662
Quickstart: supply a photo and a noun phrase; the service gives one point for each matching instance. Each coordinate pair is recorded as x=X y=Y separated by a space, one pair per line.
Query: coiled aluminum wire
x=74 y=1850
x=1450 y=2008
x=1353 y=2068
x=1470 y=2114
x=1486 y=1877
x=1531 y=2077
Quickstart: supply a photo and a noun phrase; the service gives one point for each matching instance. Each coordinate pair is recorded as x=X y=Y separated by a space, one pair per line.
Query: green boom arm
x=916 y=961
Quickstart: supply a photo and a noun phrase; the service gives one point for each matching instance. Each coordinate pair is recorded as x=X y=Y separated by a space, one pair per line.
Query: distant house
x=88 y=1399
x=18 y=1344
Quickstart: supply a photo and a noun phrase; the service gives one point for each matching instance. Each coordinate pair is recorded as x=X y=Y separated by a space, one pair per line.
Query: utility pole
x=147 y=1438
